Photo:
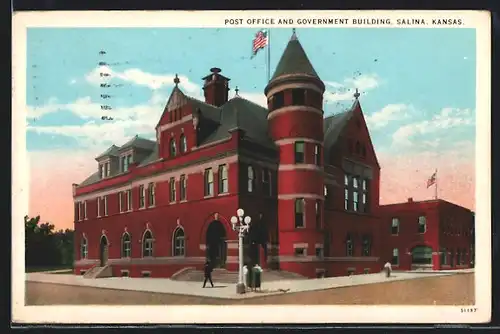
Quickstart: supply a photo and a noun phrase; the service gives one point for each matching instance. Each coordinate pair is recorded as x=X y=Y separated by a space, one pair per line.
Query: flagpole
x=436 y=185
x=268 y=55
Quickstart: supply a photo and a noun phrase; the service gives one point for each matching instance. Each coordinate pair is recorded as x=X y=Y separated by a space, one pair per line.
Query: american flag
x=259 y=42
x=432 y=179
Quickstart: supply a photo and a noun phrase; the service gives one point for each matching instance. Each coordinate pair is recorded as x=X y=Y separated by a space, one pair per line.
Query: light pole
x=241 y=224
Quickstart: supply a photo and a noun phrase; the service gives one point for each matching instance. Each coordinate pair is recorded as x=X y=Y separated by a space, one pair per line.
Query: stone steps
x=98 y=272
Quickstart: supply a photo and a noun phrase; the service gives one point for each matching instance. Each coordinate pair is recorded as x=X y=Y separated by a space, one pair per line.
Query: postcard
x=300 y=166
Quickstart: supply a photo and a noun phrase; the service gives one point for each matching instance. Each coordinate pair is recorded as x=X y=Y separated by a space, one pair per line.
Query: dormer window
x=104 y=170
x=125 y=162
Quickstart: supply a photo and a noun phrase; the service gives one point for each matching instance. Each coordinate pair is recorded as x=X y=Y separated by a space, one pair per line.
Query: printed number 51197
x=468 y=309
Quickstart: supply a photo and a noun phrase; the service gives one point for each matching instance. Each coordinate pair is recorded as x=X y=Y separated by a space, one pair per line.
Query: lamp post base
x=240 y=288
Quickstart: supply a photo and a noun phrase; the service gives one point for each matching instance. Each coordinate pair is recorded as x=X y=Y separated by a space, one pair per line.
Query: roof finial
x=294 y=35
x=176 y=80
x=236 y=91
x=356 y=95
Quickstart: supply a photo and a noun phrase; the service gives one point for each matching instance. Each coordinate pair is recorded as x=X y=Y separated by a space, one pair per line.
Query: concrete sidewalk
x=228 y=291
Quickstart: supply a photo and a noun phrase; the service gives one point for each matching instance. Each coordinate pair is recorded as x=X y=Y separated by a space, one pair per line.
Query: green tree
x=46 y=247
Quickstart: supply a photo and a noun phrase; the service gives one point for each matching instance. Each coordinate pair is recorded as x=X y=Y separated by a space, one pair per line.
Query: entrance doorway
x=216 y=250
x=103 y=251
x=421 y=257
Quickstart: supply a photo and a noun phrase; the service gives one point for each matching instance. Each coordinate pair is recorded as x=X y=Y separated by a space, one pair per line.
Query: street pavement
x=228 y=291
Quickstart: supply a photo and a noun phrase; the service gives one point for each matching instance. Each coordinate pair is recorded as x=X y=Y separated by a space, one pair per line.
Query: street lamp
x=242 y=225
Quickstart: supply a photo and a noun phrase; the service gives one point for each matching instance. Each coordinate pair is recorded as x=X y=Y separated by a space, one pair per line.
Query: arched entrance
x=421 y=257
x=103 y=251
x=216 y=246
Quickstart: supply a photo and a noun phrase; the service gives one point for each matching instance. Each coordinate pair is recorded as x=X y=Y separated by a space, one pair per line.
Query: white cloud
x=448 y=118
x=127 y=121
x=390 y=112
x=344 y=91
x=137 y=76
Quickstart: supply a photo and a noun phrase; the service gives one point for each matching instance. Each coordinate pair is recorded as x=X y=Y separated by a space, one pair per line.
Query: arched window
x=251 y=179
x=84 y=248
x=173 y=148
x=147 y=244
x=422 y=224
x=179 y=242
x=126 y=245
x=349 y=245
x=183 y=144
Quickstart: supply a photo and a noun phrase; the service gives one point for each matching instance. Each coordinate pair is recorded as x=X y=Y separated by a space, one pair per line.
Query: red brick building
x=433 y=234
x=309 y=183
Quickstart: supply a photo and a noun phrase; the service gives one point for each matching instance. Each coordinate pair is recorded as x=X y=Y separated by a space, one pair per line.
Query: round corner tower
x=295 y=120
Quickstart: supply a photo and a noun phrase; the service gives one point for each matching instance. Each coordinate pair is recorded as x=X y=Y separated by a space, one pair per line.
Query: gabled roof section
x=112 y=151
x=150 y=158
x=294 y=61
x=91 y=179
x=207 y=110
x=240 y=113
x=140 y=143
x=333 y=126
x=176 y=100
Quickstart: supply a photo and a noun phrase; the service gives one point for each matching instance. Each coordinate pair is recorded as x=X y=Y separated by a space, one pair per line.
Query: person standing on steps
x=208 y=274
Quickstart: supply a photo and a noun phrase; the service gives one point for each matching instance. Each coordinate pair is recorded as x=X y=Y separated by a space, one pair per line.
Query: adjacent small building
x=433 y=234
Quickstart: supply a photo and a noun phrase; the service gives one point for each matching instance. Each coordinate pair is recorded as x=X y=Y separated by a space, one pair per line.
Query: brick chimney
x=410 y=199
x=216 y=88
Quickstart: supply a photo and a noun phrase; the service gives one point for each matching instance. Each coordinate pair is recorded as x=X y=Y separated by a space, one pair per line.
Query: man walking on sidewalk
x=208 y=274
x=387 y=269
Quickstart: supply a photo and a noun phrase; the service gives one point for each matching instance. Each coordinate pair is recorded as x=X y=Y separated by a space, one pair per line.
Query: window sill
x=142 y=208
x=151 y=206
x=223 y=194
x=300 y=227
x=208 y=196
x=183 y=201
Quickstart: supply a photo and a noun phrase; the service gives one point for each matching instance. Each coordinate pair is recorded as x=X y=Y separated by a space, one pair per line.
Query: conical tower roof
x=294 y=61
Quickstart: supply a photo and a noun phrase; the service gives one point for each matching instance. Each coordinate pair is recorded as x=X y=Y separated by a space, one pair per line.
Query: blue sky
x=417 y=85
